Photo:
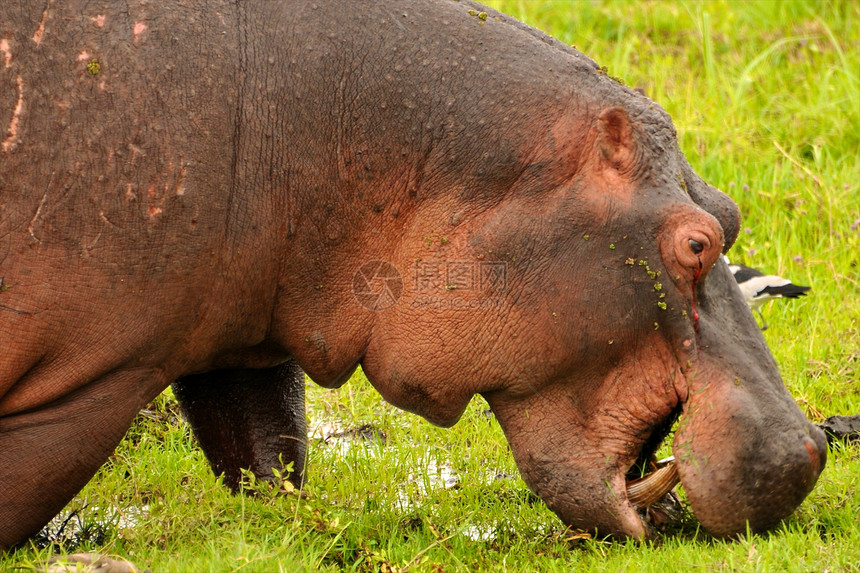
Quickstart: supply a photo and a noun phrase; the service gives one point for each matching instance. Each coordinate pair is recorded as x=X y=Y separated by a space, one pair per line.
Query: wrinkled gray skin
x=189 y=190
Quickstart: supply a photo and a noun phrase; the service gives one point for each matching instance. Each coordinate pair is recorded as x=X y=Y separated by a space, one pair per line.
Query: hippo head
x=618 y=317
x=654 y=327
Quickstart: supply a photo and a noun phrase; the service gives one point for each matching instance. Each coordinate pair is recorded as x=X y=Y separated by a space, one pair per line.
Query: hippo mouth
x=649 y=480
x=648 y=490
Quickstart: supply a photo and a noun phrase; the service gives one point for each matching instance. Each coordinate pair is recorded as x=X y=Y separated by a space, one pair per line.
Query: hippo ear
x=615 y=138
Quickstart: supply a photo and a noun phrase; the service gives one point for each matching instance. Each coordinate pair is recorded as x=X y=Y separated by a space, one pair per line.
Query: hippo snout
x=747 y=467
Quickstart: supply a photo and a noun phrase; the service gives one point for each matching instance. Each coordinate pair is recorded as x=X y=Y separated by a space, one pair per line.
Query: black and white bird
x=758 y=288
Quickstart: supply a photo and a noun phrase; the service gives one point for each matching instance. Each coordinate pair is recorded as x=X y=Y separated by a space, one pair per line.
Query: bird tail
x=788 y=291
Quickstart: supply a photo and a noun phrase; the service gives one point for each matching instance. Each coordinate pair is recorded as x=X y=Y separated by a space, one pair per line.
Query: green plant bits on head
x=94 y=67
x=611 y=246
x=662 y=305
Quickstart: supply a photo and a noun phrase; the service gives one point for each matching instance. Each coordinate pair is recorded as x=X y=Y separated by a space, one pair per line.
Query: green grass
x=766 y=99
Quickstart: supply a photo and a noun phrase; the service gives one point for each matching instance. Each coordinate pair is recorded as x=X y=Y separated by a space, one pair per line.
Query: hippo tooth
x=649 y=489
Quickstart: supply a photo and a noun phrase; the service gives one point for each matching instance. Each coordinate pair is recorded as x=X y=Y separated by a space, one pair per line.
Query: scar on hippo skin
x=31 y=226
x=139 y=28
x=7 y=52
x=16 y=310
x=11 y=138
x=12 y=131
x=4 y=287
x=40 y=29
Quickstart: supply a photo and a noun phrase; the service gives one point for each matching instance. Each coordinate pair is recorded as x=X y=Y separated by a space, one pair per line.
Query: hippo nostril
x=696 y=246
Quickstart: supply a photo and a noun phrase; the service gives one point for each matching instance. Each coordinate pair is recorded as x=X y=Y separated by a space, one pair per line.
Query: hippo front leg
x=248 y=419
x=49 y=452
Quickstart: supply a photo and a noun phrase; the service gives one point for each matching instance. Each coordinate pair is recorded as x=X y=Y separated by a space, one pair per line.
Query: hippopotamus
x=225 y=196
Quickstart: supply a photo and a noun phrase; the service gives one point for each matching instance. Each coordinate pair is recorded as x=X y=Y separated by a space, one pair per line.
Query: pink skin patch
x=83 y=56
x=139 y=28
x=814 y=456
x=99 y=20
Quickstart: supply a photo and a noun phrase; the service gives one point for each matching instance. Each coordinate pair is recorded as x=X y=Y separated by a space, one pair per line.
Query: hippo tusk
x=648 y=490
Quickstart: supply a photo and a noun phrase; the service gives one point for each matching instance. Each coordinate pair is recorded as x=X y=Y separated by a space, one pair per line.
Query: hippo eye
x=696 y=246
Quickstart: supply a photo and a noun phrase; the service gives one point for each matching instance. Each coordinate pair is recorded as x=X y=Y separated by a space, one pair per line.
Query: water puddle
x=92 y=524
x=428 y=474
x=87 y=524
